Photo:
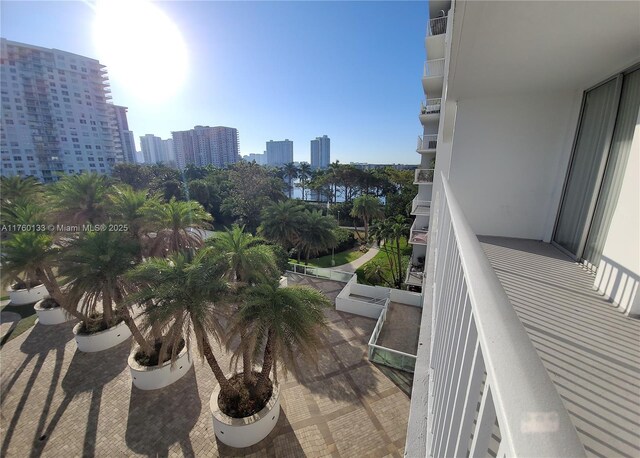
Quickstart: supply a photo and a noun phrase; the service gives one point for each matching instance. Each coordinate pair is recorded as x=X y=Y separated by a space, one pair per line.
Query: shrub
x=49 y=303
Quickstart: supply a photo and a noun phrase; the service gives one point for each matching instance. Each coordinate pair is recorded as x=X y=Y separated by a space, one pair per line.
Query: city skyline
x=366 y=104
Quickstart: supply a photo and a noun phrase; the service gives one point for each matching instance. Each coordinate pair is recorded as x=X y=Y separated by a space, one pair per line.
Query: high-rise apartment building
x=128 y=150
x=169 y=156
x=259 y=158
x=153 y=149
x=279 y=152
x=56 y=113
x=204 y=145
x=320 y=152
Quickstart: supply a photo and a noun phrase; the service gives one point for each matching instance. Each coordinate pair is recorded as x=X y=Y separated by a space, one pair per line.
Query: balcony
x=430 y=111
x=418 y=235
x=420 y=207
x=427 y=144
x=415 y=271
x=423 y=176
x=437 y=26
x=485 y=389
x=433 y=77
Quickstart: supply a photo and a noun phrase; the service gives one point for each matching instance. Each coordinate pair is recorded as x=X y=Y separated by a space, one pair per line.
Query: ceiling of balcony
x=529 y=46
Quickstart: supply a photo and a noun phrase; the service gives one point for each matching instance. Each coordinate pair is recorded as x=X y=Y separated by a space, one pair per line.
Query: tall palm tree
x=184 y=290
x=248 y=258
x=367 y=207
x=95 y=265
x=392 y=230
x=78 y=199
x=304 y=174
x=177 y=226
x=15 y=188
x=290 y=171
x=282 y=223
x=284 y=324
x=317 y=234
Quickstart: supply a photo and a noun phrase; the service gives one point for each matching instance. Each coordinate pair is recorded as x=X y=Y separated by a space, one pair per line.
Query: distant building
x=169 y=156
x=367 y=166
x=204 y=145
x=152 y=149
x=56 y=113
x=260 y=159
x=279 y=152
x=127 y=142
x=320 y=152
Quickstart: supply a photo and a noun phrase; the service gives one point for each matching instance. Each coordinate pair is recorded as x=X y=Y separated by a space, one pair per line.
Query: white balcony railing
x=420 y=207
x=434 y=67
x=418 y=235
x=431 y=106
x=485 y=373
x=423 y=176
x=437 y=26
x=428 y=142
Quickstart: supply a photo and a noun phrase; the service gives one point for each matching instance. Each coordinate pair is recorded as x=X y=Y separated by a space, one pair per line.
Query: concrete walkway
x=353 y=265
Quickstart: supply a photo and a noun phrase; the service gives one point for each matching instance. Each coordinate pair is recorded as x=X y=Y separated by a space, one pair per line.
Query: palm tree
x=16 y=188
x=249 y=259
x=184 y=289
x=367 y=207
x=95 y=264
x=177 y=225
x=32 y=254
x=304 y=174
x=282 y=223
x=291 y=172
x=317 y=234
x=285 y=322
x=78 y=199
x=392 y=230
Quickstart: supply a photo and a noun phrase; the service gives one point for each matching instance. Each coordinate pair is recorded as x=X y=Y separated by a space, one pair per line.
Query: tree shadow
x=87 y=373
x=160 y=418
x=282 y=441
x=40 y=341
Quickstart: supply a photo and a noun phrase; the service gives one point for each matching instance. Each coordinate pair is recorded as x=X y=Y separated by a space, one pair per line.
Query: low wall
x=406 y=297
x=357 y=307
x=374 y=292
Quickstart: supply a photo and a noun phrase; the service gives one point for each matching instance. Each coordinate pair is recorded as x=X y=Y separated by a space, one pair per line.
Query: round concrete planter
x=102 y=340
x=27 y=296
x=245 y=432
x=153 y=378
x=56 y=315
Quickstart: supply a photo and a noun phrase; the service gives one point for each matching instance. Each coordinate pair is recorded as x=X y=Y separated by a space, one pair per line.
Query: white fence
x=437 y=26
x=428 y=142
x=434 y=67
x=320 y=272
x=484 y=371
x=388 y=356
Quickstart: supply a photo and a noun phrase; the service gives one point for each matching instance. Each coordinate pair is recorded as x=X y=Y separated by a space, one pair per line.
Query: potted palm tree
x=281 y=325
x=95 y=264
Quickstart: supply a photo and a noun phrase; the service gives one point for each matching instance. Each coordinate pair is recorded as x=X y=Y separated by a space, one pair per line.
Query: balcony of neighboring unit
x=420 y=207
x=419 y=234
x=435 y=41
x=430 y=111
x=423 y=176
x=433 y=77
x=415 y=271
x=427 y=144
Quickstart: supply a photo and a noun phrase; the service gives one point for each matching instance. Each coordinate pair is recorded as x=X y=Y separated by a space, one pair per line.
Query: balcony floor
x=401 y=329
x=590 y=349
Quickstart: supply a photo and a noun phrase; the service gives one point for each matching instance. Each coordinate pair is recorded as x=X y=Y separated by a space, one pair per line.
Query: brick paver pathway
x=58 y=402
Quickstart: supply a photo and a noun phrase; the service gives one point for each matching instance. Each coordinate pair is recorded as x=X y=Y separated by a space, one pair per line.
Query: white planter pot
x=27 y=296
x=284 y=282
x=153 y=378
x=102 y=340
x=245 y=432
x=56 y=315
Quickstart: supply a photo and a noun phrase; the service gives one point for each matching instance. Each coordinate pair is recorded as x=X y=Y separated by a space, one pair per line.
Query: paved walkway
x=56 y=401
x=353 y=265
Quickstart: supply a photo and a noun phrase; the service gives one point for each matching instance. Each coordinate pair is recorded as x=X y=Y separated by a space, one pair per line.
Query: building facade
x=126 y=136
x=153 y=149
x=204 y=145
x=320 y=152
x=260 y=159
x=56 y=113
x=525 y=239
x=279 y=153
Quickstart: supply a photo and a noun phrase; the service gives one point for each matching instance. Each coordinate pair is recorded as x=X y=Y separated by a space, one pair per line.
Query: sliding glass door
x=600 y=154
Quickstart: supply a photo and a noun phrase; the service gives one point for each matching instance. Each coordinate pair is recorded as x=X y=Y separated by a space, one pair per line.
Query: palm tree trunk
x=399 y=282
x=45 y=275
x=145 y=346
x=247 y=369
x=267 y=362
x=107 y=310
x=225 y=386
x=366 y=229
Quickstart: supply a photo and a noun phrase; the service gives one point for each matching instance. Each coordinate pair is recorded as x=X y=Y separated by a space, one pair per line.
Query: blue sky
x=274 y=70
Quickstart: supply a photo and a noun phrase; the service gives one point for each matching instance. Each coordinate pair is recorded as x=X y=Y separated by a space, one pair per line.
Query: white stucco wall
x=618 y=274
x=509 y=158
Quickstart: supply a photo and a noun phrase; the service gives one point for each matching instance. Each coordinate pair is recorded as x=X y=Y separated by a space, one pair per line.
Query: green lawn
x=381 y=260
x=344 y=257
x=28 y=315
